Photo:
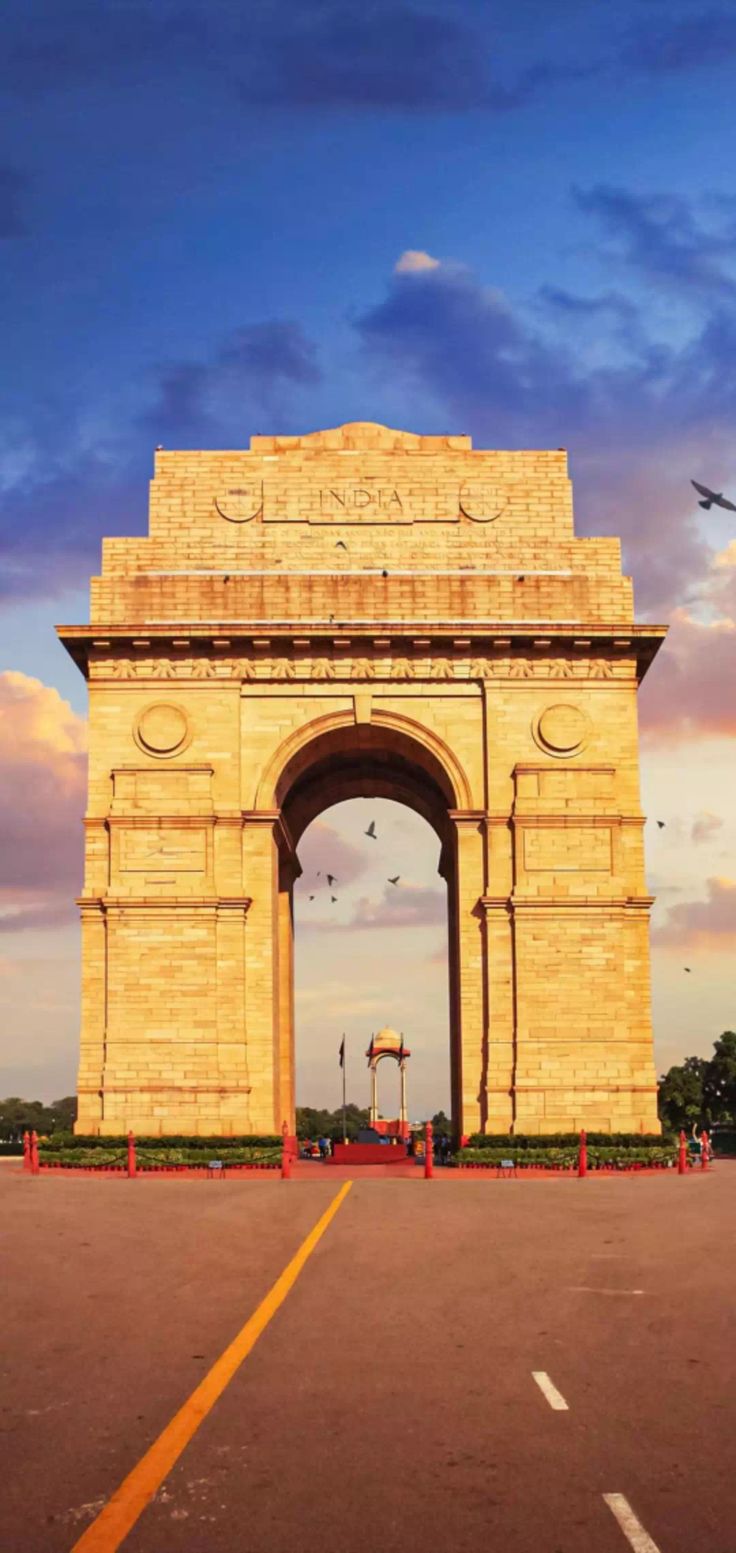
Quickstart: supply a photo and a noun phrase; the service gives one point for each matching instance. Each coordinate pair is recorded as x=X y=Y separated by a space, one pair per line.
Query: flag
x=401 y=1048
x=342 y=1053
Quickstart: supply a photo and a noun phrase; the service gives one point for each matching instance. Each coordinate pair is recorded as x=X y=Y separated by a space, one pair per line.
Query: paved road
x=390 y=1403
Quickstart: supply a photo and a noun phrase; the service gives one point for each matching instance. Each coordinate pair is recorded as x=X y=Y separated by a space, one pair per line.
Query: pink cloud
x=690 y=686
x=405 y=905
x=43 y=783
x=708 y=924
x=705 y=826
x=323 y=851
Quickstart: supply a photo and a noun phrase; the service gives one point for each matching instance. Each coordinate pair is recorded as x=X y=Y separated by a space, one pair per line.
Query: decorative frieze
x=360 y=668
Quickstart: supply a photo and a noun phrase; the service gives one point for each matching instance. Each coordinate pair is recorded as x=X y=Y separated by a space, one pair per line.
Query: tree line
x=18 y=1116
x=701 y=1091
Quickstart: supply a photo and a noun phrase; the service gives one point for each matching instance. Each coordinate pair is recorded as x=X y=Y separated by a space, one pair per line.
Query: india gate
x=362 y=612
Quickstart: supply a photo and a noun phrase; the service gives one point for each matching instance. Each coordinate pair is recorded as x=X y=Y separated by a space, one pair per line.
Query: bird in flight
x=331 y=880
x=712 y=498
x=340 y=544
x=311 y=897
x=395 y=880
x=371 y=831
x=687 y=968
x=333 y=898
x=660 y=824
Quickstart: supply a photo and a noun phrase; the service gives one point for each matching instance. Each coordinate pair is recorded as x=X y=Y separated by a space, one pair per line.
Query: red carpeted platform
x=367 y=1154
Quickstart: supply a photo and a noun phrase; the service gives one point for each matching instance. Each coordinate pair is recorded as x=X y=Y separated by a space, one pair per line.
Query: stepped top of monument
x=362 y=434
x=362 y=527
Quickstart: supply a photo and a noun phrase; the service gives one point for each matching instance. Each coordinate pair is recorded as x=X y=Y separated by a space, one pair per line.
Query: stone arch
x=391 y=756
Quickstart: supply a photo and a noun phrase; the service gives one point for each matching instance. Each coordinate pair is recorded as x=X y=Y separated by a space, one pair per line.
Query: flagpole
x=344 y=1098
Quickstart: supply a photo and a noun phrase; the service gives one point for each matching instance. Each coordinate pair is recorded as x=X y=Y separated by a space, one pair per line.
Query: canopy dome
x=387 y=1037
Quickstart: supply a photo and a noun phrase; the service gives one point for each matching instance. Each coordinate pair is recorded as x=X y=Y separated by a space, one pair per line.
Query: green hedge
x=567 y=1157
x=566 y=1140
x=160 y=1156
x=213 y=1147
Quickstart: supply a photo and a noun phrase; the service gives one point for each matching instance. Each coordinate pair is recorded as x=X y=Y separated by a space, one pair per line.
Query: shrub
x=212 y=1147
x=618 y=1140
x=118 y=1155
x=566 y=1156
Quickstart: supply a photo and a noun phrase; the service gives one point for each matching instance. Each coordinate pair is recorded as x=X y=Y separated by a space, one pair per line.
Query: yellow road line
x=121 y=1512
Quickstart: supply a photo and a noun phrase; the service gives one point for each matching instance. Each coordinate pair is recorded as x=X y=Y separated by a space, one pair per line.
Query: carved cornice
x=341 y=650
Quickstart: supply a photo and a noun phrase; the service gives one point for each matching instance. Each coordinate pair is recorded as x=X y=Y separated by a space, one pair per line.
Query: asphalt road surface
x=390 y=1403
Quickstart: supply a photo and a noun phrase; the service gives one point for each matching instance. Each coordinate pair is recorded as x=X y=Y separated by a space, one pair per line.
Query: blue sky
x=202 y=208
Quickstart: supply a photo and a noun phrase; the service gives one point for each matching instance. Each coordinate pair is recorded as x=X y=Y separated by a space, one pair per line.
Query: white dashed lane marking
x=585 y=1288
x=631 y=1526
x=554 y=1397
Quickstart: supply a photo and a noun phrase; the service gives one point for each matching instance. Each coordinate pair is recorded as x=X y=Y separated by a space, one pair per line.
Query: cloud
x=635 y=430
x=258 y=360
x=61 y=507
x=689 y=689
x=661 y=237
x=13 y=185
x=384 y=56
x=322 y=850
x=705 y=826
x=406 y=905
x=413 y=259
x=679 y=46
x=708 y=924
x=59 y=496
x=43 y=779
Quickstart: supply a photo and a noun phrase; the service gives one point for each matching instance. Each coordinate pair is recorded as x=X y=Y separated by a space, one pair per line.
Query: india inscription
x=360 y=612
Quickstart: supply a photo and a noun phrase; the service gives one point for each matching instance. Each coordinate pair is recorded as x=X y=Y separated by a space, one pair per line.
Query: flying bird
x=311 y=897
x=340 y=544
x=371 y=831
x=331 y=879
x=395 y=880
x=660 y=824
x=687 y=968
x=712 y=498
x=333 y=898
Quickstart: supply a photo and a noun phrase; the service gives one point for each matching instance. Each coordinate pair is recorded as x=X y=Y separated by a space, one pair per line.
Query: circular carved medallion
x=162 y=729
x=561 y=730
x=481 y=502
x=242 y=503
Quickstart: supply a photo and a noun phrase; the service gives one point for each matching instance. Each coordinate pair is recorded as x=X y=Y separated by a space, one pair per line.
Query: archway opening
x=379 y=945
x=371 y=950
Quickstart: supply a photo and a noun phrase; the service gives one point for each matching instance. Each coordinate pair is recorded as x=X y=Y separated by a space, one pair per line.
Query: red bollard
x=583 y=1155
x=682 y=1156
x=285 y=1154
x=34 y=1154
x=131 y=1155
x=428 y=1153
x=26 y=1150
x=704 y=1150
